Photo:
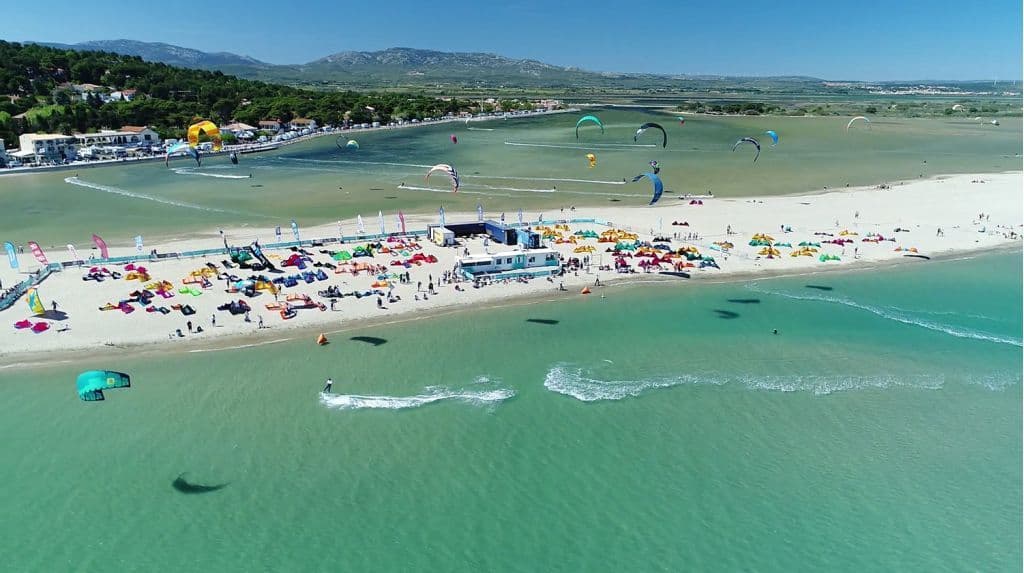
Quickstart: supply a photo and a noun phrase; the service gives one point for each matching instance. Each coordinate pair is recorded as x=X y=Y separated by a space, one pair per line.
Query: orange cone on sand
x=322 y=339
x=586 y=290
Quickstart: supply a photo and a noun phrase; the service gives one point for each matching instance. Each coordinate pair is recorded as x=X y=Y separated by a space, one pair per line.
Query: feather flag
x=359 y=225
x=12 y=254
x=380 y=217
x=74 y=252
x=440 y=212
x=101 y=245
x=38 y=253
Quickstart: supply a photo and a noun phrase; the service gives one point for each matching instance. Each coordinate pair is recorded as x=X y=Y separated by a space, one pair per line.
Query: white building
x=509 y=261
x=48 y=146
x=129 y=135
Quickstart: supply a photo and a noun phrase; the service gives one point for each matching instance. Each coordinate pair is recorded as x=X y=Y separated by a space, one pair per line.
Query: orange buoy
x=322 y=339
x=586 y=290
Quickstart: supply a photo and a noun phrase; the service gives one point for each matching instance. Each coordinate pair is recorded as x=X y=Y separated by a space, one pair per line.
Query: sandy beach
x=919 y=209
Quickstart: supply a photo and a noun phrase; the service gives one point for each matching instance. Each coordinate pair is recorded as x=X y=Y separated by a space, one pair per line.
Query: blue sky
x=866 y=39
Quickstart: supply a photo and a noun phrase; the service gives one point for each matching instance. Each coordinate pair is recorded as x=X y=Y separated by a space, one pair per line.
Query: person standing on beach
x=189 y=325
x=54 y=306
x=213 y=320
x=260 y=324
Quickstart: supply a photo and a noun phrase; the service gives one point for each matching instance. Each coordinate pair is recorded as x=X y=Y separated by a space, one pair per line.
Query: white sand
x=952 y=203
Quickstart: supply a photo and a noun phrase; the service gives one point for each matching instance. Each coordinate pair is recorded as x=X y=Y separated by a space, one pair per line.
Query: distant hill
x=164 y=53
x=410 y=67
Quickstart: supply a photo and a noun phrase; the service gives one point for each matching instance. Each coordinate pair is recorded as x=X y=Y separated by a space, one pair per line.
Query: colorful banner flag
x=74 y=253
x=38 y=253
x=32 y=297
x=295 y=230
x=138 y=242
x=341 y=234
x=441 y=213
x=101 y=245
x=479 y=213
x=380 y=217
x=12 y=254
x=401 y=222
x=359 y=225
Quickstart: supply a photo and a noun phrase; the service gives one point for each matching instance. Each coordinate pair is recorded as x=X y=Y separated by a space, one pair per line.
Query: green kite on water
x=92 y=383
x=586 y=118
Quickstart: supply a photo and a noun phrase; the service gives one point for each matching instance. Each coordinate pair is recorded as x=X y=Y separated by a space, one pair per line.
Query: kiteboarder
x=328 y=385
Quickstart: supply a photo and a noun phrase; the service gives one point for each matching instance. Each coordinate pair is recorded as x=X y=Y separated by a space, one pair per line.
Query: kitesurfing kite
x=92 y=383
x=586 y=118
x=179 y=147
x=958 y=107
x=344 y=143
x=592 y=159
x=34 y=302
x=751 y=141
x=208 y=128
x=454 y=139
x=448 y=170
x=866 y=121
x=774 y=136
x=646 y=126
x=659 y=188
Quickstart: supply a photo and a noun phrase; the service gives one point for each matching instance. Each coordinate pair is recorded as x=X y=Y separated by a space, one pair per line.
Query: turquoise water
x=534 y=164
x=660 y=428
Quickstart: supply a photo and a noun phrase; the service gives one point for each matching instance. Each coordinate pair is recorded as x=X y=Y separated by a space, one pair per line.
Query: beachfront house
x=509 y=261
x=128 y=135
x=271 y=125
x=301 y=123
x=239 y=130
x=43 y=147
x=4 y=160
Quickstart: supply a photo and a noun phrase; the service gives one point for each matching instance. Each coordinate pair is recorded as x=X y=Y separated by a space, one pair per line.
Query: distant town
x=131 y=142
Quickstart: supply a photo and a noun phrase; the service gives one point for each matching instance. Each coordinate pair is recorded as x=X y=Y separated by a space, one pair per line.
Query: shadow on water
x=745 y=300
x=543 y=320
x=726 y=313
x=819 y=287
x=370 y=340
x=183 y=486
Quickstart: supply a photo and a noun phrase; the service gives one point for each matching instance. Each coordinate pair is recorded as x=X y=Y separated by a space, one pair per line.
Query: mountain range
x=410 y=67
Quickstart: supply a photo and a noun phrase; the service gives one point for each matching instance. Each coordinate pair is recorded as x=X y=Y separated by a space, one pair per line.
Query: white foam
x=191 y=171
x=584 y=147
x=596 y=182
x=892 y=313
x=350 y=162
x=133 y=195
x=480 y=128
x=429 y=396
x=586 y=387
